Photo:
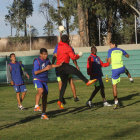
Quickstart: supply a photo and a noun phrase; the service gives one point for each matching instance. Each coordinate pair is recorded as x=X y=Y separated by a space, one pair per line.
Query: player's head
x=43 y=53
x=93 y=50
x=113 y=44
x=12 y=57
x=65 y=38
x=20 y=62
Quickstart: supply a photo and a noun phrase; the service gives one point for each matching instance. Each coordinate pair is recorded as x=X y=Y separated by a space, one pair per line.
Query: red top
x=64 y=53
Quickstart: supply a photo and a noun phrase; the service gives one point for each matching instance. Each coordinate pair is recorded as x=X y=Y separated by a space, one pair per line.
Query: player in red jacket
x=64 y=53
x=94 y=69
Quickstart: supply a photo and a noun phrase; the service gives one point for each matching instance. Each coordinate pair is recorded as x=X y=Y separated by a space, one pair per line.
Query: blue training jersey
x=16 y=73
x=39 y=64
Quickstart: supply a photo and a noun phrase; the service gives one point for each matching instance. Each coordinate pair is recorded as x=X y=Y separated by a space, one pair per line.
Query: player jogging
x=14 y=75
x=41 y=65
x=70 y=76
x=94 y=69
x=64 y=53
x=115 y=58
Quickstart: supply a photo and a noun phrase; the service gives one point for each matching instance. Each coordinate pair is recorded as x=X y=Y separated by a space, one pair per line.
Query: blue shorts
x=116 y=74
x=21 y=88
x=39 y=84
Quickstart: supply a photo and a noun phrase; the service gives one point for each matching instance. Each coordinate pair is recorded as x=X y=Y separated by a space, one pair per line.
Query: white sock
x=131 y=79
x=36 y=106
x=116 y=101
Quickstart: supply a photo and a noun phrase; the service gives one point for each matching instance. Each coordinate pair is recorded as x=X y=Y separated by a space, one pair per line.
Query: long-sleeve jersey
x=94 y=65
x=14 y=73
x=64 y=53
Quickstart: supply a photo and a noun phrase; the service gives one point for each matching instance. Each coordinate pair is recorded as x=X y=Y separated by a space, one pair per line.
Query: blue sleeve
x=109 y=54
x=55 y=50
x=124 y=52
x=36 y=66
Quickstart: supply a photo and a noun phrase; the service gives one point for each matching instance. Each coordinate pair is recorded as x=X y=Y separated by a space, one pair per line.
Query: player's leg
x=73 y=88
x=129 y=75
x=115 y=80
x=39 y=87
x=44 y=102
x=89 y=102
x=64 y=78
x=69 y=69
x=18 y=91
x=24 y=91
x=102 y=92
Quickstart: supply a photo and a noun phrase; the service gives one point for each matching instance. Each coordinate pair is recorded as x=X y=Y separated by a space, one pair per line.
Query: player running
x=41 y=65
x=14 y=75
x=94 y=69
x=64 y=53
x=115 y=59
x=69 y=78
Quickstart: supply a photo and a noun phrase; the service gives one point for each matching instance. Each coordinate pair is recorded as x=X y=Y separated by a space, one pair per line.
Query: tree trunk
x=25 y=28
x=83 y=25
x=67 y=26
x=93 y=28
x=109 y=27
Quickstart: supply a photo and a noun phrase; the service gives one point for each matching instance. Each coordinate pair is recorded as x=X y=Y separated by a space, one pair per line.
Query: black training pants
x=64 y=72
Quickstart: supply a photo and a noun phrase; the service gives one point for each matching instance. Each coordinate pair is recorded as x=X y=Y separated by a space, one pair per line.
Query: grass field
x=76 y=121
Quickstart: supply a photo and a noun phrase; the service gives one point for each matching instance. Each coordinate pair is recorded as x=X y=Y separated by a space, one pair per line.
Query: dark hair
x=93 y=47
x=11 y=54
x=114 y=42
x=43 y=50
x=65 y=38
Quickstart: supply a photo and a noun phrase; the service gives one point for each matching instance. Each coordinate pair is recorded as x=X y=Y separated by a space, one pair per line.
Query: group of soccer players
x=64 y=71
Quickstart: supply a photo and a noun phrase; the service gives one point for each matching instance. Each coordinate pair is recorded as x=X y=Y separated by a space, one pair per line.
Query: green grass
x=76 y=121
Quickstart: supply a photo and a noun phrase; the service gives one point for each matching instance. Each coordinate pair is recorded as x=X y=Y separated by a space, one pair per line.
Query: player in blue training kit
x=115 y=59
x=14 y=75
x=41 y=65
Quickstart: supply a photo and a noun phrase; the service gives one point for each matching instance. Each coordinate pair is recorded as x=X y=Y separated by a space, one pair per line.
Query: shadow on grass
x=31 y=118
x=54 y=101
x=129 y=97
x=26 y=119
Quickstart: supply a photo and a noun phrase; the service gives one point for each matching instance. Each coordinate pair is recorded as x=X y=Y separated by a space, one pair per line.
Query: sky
x=37 y=20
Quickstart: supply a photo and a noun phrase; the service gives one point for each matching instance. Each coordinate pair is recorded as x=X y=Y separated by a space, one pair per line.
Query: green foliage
x=18 y=12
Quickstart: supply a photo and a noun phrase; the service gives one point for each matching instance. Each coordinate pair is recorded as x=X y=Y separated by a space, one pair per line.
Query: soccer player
x=94 y=69
x=41 y=65
x=70 y=76
x=64 y=53
x=115 y=59
x=14 y=75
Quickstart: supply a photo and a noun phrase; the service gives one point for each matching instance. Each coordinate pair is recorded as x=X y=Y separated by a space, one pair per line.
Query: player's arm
x=72 y=55
x=9 y=77
x=89 y=66
x=127 y=55
x=109 y=57
x=37 y=68
x=75 y=63
x=54 y=58
x=24 y=72
x=104 y=64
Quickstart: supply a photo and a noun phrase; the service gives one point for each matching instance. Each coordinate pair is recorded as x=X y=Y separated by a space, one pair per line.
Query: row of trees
x=114 y=18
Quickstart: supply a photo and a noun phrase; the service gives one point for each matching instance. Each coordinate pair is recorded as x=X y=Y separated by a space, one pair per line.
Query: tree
x=18 y=12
